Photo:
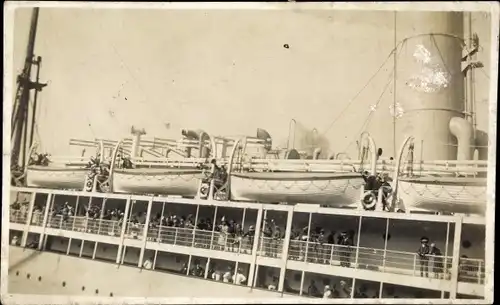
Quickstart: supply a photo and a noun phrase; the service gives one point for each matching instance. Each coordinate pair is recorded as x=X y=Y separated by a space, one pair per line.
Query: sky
x=227 y=72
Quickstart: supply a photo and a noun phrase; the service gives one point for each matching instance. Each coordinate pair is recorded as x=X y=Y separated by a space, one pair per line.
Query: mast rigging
x=21 y=110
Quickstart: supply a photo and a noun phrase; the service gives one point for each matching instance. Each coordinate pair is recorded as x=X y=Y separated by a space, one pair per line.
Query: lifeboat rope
x=276 y=184
x=436 y=190
x=170 y=177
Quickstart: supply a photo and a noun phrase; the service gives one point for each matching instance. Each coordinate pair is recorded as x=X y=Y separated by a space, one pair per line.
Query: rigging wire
x=360 y=91
x=370 y=115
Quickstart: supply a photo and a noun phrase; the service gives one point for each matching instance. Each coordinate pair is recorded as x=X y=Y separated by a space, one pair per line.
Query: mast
x=394 y=82
x=20 y=113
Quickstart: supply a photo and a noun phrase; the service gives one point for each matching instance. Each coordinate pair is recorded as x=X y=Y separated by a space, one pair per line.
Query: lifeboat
x=165 y=181
x=71 y=173
x=178 y=175
x=444 y=194
x=452 y=186
x=336 y=183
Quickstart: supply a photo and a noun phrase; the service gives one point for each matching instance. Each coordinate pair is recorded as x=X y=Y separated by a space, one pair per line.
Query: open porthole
x=39 y=278
x=97 y=291
x=28 y=276
x=64 y=284
x=83 y=288
x=111 y=294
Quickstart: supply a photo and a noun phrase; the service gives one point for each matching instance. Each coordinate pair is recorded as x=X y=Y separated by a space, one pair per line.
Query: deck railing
x=388 y=261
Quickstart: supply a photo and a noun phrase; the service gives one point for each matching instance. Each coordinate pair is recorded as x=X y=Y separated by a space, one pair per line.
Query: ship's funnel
x=464 y=133
x=262 y=134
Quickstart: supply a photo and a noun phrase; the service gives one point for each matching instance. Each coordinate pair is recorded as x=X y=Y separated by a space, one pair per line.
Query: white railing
x=388 y=261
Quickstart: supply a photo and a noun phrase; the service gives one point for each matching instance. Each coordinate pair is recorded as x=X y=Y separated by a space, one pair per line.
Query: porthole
x=64 y=284
x=17 y=273
x=28 y=276
x=111 y=294
x=83 y=288
x=39 y=278
x=466 y=244
x=97 y=291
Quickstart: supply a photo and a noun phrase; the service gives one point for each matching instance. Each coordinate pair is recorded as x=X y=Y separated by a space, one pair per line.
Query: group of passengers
x=320 y=245
x=425 y=252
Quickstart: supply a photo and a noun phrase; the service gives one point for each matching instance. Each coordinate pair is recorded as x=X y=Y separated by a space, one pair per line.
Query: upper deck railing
x=386 y=261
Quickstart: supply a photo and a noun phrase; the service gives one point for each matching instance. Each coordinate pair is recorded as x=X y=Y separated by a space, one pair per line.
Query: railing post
x=214 y=223
x=479 y=272
x=31 y=206
x=456 y=258
x=145 y=233
x=308 y=237
x=122 y=234
x=41 y=242
x=253 y=265
x=414 y=264
x=286 y=246
x=357 y=242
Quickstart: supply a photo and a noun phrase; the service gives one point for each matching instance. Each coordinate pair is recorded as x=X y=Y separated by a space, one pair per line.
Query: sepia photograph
x=249 y=152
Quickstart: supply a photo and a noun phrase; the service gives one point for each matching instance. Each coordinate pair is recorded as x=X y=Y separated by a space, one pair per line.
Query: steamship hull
x=339 y=190
x=444 y=194
x=56 y=178
x=179 y=182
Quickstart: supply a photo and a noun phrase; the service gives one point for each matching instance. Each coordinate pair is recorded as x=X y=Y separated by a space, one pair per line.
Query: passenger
x=250 y=235
x=322 y=247
x=148 y=264
x=227 y=276
x=239 y=278
x=423 y=254
x=327 y=294
x=346 y=243
x=197 y=270
x=312 y=290
x=276 y=241
x=386 y=191
x=222 y=240
x=274 y=285
x=437 y=261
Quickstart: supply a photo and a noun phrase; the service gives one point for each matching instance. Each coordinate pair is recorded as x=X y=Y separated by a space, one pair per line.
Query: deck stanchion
x=302 y=283
x=214 y=223
x=445 y=266
x=360 y=220
x=456 y=257
x=308 y=237
x=285 y=248
x=145 y=232
x=76 y=213
x=41 y=241
x=122 y=234
x=252 y=274
x=385 y=244
x=158 y=239
x=194 y=225
x=31 y=206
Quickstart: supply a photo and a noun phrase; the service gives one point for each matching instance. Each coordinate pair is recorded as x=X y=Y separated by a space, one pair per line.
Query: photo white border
x=490 y=7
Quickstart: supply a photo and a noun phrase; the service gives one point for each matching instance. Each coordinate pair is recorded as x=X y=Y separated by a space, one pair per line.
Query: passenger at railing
x=437 y=264
x=250 y=234
x=344 y=290
x=223 y=234
x=148 y=264
x=276 y=241
x=312 y=290
x=238 y=237
x=197 y=270
x=304 y=237
x=227 y=277
x=345 y=240
x=386 y=190
x=423 y=254
x=322 y=248
x=371 y=182
x=239 y=278
x=37 y=216
x=327 y=293
x=274 y=284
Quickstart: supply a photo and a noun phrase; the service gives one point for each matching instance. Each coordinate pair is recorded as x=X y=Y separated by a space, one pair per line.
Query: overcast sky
x=228 y=72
